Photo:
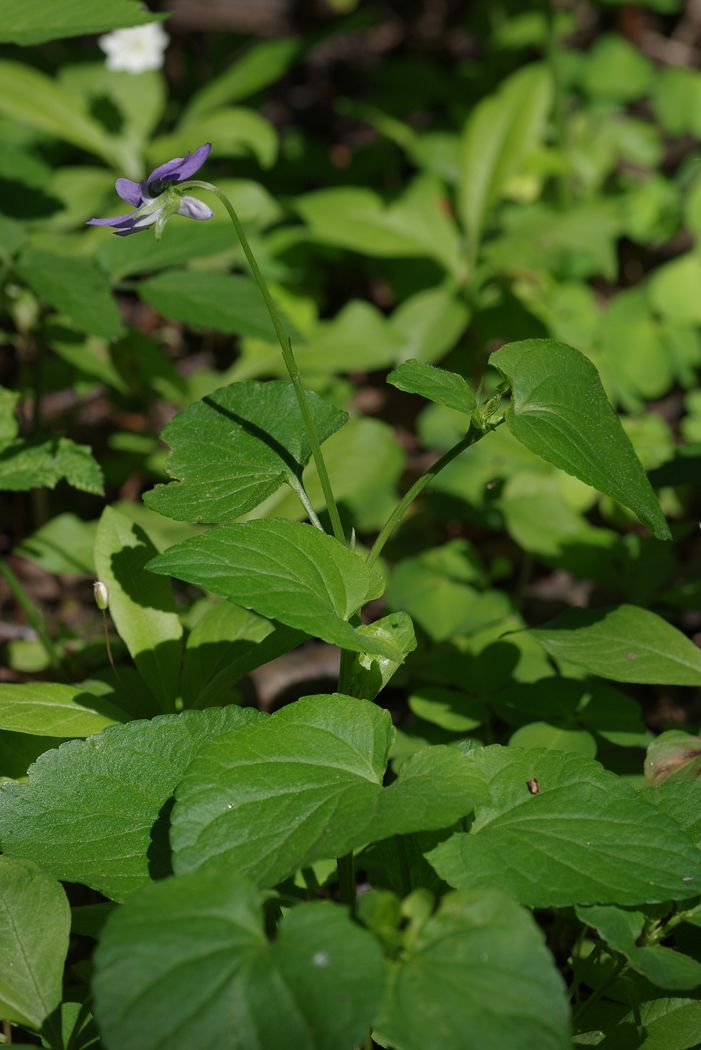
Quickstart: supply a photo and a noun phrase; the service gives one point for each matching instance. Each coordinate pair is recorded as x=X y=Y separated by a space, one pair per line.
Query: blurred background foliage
x=419 y=179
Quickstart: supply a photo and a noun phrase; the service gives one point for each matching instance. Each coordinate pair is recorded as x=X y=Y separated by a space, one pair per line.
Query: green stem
x=473 y=435
x=597 y=994
x=346 y=880
x=31 y=612
x=287 y=355
x=559 y=107
x=299 y=490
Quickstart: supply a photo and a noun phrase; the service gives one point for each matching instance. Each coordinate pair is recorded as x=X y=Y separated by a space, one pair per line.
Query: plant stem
x=551 y=54
x=298 y=488
x=31 y=612
x=346 y=880
x=287 y=355
x=473 y=434
x=618 y=969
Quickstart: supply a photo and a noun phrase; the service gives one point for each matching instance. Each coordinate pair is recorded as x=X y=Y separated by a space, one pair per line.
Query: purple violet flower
x=155 y=198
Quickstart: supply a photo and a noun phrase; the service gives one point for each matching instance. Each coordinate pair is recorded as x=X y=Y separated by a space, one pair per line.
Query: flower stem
x=473 y=435
x=346 y=880
x=287 y=355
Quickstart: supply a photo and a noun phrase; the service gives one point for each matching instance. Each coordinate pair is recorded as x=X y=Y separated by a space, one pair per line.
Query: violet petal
x=191 y=208
x=115 y=220
x=180 y=168
x=129 y=191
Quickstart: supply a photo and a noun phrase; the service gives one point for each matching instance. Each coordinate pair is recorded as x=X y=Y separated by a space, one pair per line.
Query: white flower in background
x=135 y=50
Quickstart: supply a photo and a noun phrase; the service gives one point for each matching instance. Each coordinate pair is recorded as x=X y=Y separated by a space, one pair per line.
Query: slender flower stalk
x=287 y=355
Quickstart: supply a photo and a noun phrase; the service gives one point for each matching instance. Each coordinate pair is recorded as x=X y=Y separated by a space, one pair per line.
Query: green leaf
x=237 y=131
x=219 y=301
x=141 y=605
x=616 y=69
x=559 y=410
x=285 y=571
x=52 y=709
x=95 y=811
x=64 y=545
x=28 y=22
x=626 y=644
x=32 y=98
x=225 y=644
x=248 y=74
x=585 y=837
x=43 y=463
x=74 y=287
x=198 y=944
x=370 y=674
x=476 y=976
x=12 y=237
x=430 y=323
x=236 y=447
x=35 y=921
x=622 y=929
x=669 y=1024
x=121 y=257
x=435 y=384
x=415 y=225
x=554 y=737
x=502 y=131
x=673 y=289
x=447 y=708
x=309 y=781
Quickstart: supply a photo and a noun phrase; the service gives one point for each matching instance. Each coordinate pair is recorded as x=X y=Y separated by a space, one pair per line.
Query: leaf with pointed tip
x=369 y=674
x=35 y=921
x=94 y=811
x=559 y=410
x=54 y=709
x=286 y=571
x=306 y=784
x=235 y=448
x=627 y=644
x=435 y=384
x=197 y=943
x=586 y=837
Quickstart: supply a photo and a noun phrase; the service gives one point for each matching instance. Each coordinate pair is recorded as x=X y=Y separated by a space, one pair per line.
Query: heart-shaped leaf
x=560 y=411
x=286 y=571
x=197 y=945
x=236 y=447
x=95 y=811
x=306 y=784
x=477 y=976
x=584 y=837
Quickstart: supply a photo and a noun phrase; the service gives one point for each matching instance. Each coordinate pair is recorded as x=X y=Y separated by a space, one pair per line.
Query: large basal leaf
x=307 y=784
x=435 y=384
x=585 y=837
x=224 y=645
x=35 y=21
x=140 y=604
x=626 y=644
x=187 y=963
x=74 y=287
x=236 y=447
x=53 y=709
x=477 y=977
x=500 y=133
x=35 y=920
x=95 y=811
x=285 y=571
x=220 y=301
x=559 y=410
x=43 y=462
